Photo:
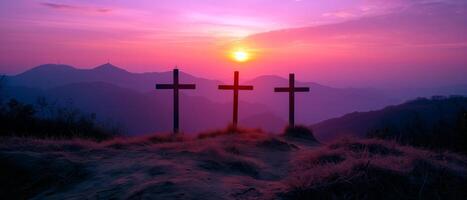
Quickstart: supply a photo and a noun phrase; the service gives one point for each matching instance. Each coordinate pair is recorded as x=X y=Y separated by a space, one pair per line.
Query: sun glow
x=240 y=56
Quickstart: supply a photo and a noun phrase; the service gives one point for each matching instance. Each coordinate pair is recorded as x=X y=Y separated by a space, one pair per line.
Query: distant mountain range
x=50 y=75
x=130 y=98
x=137 y=112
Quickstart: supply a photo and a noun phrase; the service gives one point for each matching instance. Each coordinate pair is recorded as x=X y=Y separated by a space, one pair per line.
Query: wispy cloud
x=75 y=8
x=339 y=14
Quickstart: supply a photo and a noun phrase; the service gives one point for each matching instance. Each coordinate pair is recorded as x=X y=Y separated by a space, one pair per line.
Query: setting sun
x=241 y=56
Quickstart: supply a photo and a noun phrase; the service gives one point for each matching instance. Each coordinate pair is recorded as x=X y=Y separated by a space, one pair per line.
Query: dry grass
x=127 y=142
x=233 y=161
x=376 y=169
x=231 y=130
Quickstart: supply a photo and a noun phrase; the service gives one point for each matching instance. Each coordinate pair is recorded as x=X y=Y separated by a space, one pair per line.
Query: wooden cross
x=175 y=87
x=235 y=87
x=291 y=90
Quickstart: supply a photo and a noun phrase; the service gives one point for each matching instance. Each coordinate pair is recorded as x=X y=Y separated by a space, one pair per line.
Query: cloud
x=427 y=21
x=339 y=14
x=363 y=10
x=75 y=8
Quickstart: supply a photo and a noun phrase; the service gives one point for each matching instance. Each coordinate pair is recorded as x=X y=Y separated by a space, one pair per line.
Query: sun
x=240 y=56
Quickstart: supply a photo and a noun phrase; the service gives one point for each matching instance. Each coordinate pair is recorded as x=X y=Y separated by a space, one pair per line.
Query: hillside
x=226 y=165
x=436 y=122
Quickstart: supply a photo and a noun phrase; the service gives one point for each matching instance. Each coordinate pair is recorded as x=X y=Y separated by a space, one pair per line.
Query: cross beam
x=176 y=86
x=235 y=87
x=291 y=90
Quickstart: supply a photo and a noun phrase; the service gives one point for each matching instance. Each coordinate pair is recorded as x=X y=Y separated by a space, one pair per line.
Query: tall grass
x=376 y=169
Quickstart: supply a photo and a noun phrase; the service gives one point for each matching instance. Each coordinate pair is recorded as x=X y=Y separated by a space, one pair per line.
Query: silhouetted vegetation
x=2 y=88
x=300 y=132
x=49 y=121
x=443 y=126
x=23 y=176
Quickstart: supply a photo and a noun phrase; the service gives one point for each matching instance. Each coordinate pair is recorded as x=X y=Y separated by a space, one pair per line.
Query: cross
x=175 y=87
x=291 y=90
x=235 y=87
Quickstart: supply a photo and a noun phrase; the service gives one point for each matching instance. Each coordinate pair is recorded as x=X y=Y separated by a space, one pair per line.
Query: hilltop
x=227 y=164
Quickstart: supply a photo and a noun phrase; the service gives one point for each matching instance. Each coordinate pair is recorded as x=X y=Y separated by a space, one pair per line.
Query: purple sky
x=350 y=43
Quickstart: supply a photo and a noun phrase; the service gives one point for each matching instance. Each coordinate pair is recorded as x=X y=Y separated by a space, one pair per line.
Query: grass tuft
x=299 y=132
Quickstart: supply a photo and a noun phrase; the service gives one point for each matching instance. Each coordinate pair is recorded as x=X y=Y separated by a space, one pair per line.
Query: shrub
x=19 y=119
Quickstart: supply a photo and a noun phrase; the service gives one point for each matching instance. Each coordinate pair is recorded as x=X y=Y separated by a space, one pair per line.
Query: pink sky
x=347 y=43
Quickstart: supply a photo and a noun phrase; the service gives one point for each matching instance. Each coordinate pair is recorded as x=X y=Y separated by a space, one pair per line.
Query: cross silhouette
x=176 y=86
x=291 y=90
x=235 y=87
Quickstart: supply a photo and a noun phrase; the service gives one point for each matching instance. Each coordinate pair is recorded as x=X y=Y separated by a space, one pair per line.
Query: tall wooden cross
x=235 y=87
x=291 y=90
x=175 y=87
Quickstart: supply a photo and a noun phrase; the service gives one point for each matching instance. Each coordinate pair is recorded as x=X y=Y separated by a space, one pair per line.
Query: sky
x=343 y=43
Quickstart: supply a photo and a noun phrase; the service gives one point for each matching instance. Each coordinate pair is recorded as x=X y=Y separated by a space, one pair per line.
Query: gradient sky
x=346 y=43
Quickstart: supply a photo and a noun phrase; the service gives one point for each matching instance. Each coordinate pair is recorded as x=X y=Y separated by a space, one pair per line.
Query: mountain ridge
x=419 y=116
x=321 y=103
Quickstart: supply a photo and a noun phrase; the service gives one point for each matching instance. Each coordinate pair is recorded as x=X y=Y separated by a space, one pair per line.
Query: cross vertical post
x=292 y=100
x=235 y=87
x=176 y=86
x=176 y=110
x=291 y=90
x=235 y=100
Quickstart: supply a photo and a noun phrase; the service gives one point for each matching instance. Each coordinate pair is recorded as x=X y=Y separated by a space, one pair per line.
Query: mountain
x=139 y=112
x=422 y=121
x=410 y=93
x=322 y=102
x=51 y=75
x=130 y=98
x=109 y=68
x=326 y=102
